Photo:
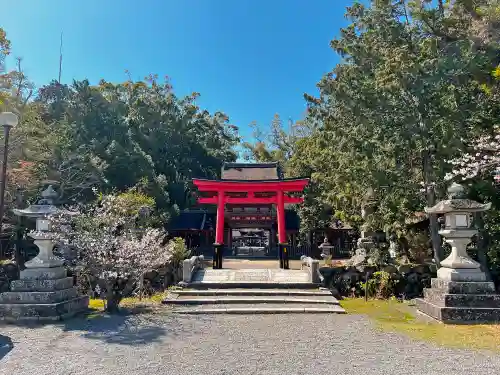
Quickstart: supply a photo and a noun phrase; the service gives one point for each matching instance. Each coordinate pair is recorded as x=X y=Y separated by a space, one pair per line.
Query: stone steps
x=248 y=300
x=253 y=292
x=253 y=301
x=251 y=285
x=250 y=277
x=265 y=308
x=38 y=297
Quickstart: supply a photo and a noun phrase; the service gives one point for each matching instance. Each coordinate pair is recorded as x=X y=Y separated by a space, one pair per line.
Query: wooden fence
x=343 y=251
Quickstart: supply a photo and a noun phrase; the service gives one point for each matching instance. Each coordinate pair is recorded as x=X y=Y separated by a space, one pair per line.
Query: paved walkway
x=254 y=263
x=272 y=276
x=229 y=345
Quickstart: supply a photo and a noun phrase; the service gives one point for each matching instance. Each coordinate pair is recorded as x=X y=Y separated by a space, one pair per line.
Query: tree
x=4 y=52
x=109 y=248
x=140 y=133
x=276 y=145
x=398 y=106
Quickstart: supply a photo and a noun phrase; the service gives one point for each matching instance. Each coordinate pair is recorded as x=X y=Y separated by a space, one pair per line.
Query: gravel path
x=228 y=344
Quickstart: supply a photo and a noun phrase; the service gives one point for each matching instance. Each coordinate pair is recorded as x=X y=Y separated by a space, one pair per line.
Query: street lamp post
x=8 y=120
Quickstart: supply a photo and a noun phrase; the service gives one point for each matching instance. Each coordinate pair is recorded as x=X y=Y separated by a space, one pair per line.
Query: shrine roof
x=254 y=181
x=251 y=171
x=191 y=220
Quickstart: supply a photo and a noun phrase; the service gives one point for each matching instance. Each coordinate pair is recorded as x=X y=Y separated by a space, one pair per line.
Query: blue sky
x=248 y=58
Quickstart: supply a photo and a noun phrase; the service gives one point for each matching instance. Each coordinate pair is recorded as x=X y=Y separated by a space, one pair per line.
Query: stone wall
x=401 y=281
x=156 y=280
x=8 y=272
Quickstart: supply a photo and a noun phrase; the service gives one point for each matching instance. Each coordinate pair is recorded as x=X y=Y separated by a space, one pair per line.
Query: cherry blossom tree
x=109 y=248
x=485 y=158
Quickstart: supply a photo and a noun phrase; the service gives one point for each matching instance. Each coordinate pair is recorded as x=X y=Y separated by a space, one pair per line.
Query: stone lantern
x=44 y=291
x=460 y=293
x=42 y=235
x=458 y=232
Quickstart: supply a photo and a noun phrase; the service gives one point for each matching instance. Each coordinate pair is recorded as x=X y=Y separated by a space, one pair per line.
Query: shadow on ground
x=6 y=346
x=132 y=327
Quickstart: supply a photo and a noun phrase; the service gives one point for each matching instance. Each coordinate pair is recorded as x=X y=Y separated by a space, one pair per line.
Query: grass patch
x=97 y=304
x=399 y=317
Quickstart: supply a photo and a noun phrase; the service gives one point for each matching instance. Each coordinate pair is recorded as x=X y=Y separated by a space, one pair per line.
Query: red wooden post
x=283 y=246
x=219 y=225
x=280 y=210
x=219 y=231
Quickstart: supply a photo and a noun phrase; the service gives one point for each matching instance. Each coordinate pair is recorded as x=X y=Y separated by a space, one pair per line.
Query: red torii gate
x=224 y=192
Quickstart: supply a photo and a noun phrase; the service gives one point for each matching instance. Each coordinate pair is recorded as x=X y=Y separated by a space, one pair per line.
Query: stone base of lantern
x=461 y=274
x=42 y=294
x=461 y=302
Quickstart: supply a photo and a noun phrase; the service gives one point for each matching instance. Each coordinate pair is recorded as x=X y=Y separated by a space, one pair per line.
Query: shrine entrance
x=251 y=201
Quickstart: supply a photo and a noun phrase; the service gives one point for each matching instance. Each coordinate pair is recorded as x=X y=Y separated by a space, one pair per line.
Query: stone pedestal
x=459 y=302
x=43 y=292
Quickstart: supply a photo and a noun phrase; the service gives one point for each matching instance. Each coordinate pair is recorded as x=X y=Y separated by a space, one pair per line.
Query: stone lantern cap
x=44 y=206
x=457 y=203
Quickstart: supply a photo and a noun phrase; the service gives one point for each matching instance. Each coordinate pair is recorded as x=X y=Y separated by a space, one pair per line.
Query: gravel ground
x=227 y=344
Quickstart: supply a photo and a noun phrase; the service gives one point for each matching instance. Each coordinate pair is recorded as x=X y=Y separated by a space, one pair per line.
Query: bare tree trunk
x=431 y=201
x=141 y=287
x=482 y=244
x=112 y=302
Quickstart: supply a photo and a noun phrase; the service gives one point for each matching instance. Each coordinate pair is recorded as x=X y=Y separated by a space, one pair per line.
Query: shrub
x=381 y=285
x=179 y=252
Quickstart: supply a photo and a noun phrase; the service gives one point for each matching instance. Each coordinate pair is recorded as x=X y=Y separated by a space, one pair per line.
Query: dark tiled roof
x=250 y=171
x=189 y=220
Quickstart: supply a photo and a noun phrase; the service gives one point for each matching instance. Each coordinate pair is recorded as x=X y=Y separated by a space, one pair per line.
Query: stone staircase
x=252 y=291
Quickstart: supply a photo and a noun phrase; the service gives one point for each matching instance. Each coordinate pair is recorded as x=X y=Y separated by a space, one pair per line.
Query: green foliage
x=140 y=133
x=419 y=246
x=179 y=250
x=379 y=255
x=381 y=284
x=131 y=202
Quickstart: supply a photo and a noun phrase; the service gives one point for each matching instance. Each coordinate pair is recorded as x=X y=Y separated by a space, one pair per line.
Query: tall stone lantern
x=458 y=232
x=42 y=235
x=460 y=293
x=44 y=291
